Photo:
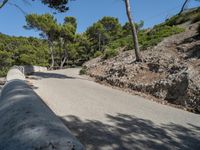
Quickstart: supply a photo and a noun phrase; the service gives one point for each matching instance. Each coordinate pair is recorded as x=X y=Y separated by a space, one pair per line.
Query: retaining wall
x=26 y=123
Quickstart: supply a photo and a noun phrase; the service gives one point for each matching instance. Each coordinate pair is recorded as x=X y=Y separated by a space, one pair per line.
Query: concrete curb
x=13 y=74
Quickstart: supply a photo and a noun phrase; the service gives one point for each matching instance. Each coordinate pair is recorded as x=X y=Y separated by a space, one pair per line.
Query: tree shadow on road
x=42 y=75
x=129 y=132
x=46 y=75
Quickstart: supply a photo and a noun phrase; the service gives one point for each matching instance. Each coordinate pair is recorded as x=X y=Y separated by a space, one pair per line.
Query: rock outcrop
x=170 y=71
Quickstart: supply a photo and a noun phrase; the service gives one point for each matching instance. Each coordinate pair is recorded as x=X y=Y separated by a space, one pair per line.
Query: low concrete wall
x=26 y=123
x=13 y=74
x=32 y=69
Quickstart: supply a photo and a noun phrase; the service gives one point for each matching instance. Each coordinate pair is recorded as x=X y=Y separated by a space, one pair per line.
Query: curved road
x=103 y=118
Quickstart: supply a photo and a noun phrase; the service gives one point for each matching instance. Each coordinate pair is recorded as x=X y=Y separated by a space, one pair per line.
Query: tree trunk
x=52 y=55
x=183 y=7
x=63 y=60
x=133 y=31
x=99 y=41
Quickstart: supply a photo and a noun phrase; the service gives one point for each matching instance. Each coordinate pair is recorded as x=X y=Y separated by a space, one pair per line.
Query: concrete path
x=103 y=118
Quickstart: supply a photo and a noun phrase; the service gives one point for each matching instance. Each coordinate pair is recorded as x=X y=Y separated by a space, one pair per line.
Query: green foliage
x=127 y=28
x=103 y=32
x=84 y=47
x=111 y=26
x=45 y=23
x=125 y=42
x=157 y=34
x=147 y=38
x=70 y=20
x=67 y=32
x=191 y=15
x=109 y=53
x=97 y=35
x=3 y=72
x=22 y=51
x=104 y=38
x=196 y=18
x=59 y=5
x=59 y=36
x=6 y=59
x=97 y=54
x=6 y=62
x=83 y=70
x=73 y=53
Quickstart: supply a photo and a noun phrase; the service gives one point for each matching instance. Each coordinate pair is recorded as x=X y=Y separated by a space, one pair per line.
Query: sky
x=87 y=12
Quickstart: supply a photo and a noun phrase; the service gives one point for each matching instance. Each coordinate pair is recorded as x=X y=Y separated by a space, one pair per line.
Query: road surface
x=103 y=118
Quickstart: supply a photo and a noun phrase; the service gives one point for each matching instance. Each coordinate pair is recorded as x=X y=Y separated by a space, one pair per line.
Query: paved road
x=103 y=118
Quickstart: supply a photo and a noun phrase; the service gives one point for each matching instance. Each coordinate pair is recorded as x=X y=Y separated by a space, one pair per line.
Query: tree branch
x=3 y=3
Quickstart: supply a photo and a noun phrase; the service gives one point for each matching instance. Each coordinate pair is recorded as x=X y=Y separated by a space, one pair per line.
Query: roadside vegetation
x=192 y=15
x=163 y=69
x=61 y=46
x=21 y=51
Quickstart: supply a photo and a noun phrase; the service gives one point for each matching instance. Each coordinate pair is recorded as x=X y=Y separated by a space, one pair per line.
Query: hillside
x=170 y=73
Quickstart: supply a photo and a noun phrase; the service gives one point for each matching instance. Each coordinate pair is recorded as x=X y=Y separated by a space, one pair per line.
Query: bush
x=191 y=15
x=6 y=62
x=22 y=51
x=196 y=18
x=97 y=54
x=83 y=70
x=147 y=38
x=3 y=72
x=125 y=42
x=157 y=34
x=109 y=53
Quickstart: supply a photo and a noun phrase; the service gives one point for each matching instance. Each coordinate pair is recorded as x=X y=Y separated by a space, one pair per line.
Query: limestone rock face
x=170 y=71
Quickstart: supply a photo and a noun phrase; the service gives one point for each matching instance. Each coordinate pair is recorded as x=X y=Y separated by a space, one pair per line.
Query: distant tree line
x=22 y=51
x=62 y=46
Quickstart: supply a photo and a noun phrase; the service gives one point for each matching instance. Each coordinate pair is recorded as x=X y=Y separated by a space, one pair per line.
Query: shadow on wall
x=130 y=132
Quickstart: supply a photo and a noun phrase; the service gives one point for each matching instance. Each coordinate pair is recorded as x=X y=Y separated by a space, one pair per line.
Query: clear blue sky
x=89 y=11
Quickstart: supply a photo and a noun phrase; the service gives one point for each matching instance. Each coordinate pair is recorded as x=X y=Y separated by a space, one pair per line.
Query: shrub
x=3 y=72
x=147 y=38
x=125 y=42
x=97 y=54
x=191 y=15
x=196 y=18
x=83 y=70
x=5 y=62
x=109 y=53
x=172 y=21
x=157 y=34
